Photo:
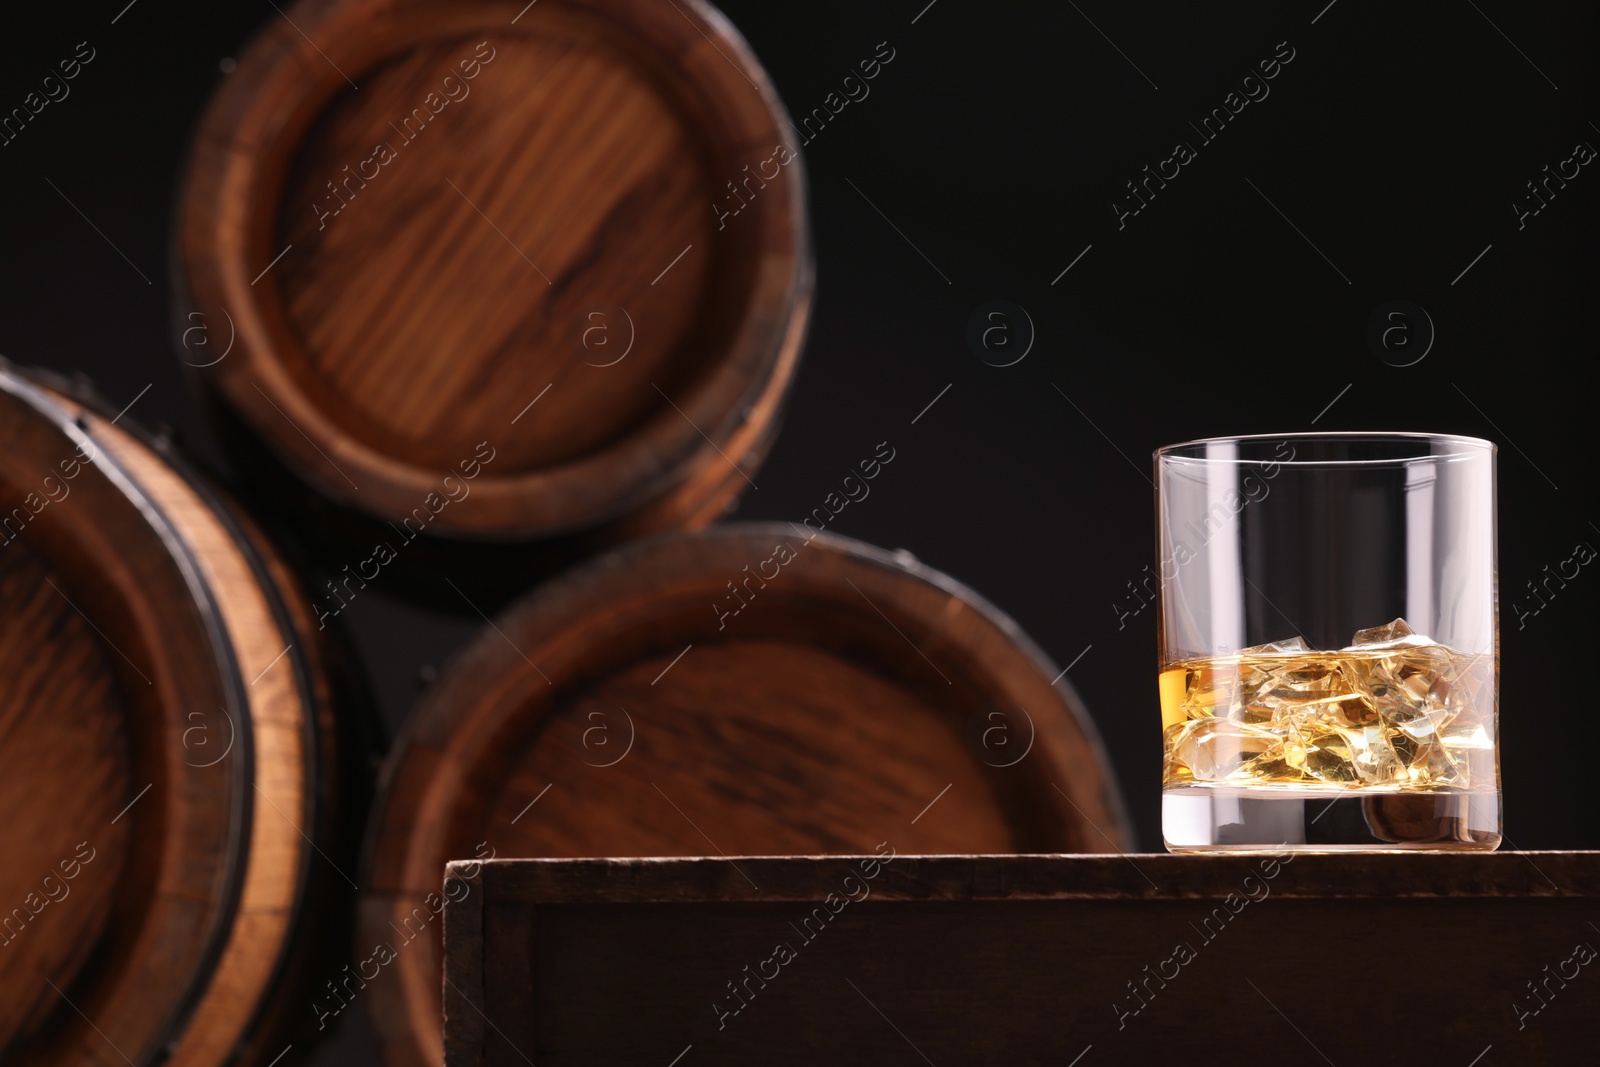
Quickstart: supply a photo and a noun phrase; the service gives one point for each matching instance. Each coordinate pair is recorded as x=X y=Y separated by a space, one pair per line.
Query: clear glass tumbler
x=1329 y=643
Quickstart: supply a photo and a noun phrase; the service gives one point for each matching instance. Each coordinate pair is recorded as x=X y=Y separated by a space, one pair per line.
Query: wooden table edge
x=1132 y=877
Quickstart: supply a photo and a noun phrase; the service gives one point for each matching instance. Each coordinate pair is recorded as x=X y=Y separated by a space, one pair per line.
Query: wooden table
x=1438 y=959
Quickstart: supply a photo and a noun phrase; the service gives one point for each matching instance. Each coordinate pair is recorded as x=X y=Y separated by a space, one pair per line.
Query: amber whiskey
x=1393 y=711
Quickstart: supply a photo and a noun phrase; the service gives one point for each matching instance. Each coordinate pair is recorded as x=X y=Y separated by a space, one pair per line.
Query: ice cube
x=1425 y=761
x=1421 y=685
x=1307 y=680
x=1353 y=711
x=1395 y=634
x=1435 y=765
x=1374 y=760
x=1423 y=727
x=1468 y=736
x=1328 y=754
x=1272 y=648
x=1439 y=680
x=1256 y=712
x=1210 y=691
x=1269 y=690
x=1214 y=749
x=1410 y=689
x=1389 y=631
x=1253 y=701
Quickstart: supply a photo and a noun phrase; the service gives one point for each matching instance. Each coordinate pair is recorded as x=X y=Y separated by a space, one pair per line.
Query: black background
x=992 y=148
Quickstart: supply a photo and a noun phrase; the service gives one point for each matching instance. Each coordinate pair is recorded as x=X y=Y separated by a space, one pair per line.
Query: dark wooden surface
x=170 y=754
x=540 y=217
x=1351 y=960
x=615 y=712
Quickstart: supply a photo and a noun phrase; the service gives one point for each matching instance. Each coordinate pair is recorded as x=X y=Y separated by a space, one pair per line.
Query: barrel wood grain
x=199 y=738
x=51 y=659
x=615 y=712
x=419 y=218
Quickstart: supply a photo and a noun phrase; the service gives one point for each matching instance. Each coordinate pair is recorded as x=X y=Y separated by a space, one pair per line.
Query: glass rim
x=1466 y=446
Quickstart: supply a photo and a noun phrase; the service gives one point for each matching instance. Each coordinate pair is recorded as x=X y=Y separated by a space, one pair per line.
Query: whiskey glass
x=1329 y=666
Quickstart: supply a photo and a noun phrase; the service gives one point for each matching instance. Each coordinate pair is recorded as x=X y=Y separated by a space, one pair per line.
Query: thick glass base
x=1223 y=819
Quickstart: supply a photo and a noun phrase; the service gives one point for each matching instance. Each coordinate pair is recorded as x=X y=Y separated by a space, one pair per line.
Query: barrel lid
x=554 y=251
x=122 y=703
x=749 y=690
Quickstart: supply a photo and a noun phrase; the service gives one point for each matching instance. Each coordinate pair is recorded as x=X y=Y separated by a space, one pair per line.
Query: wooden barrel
x=498 y=271
x=740 y=691
x=169 y=754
